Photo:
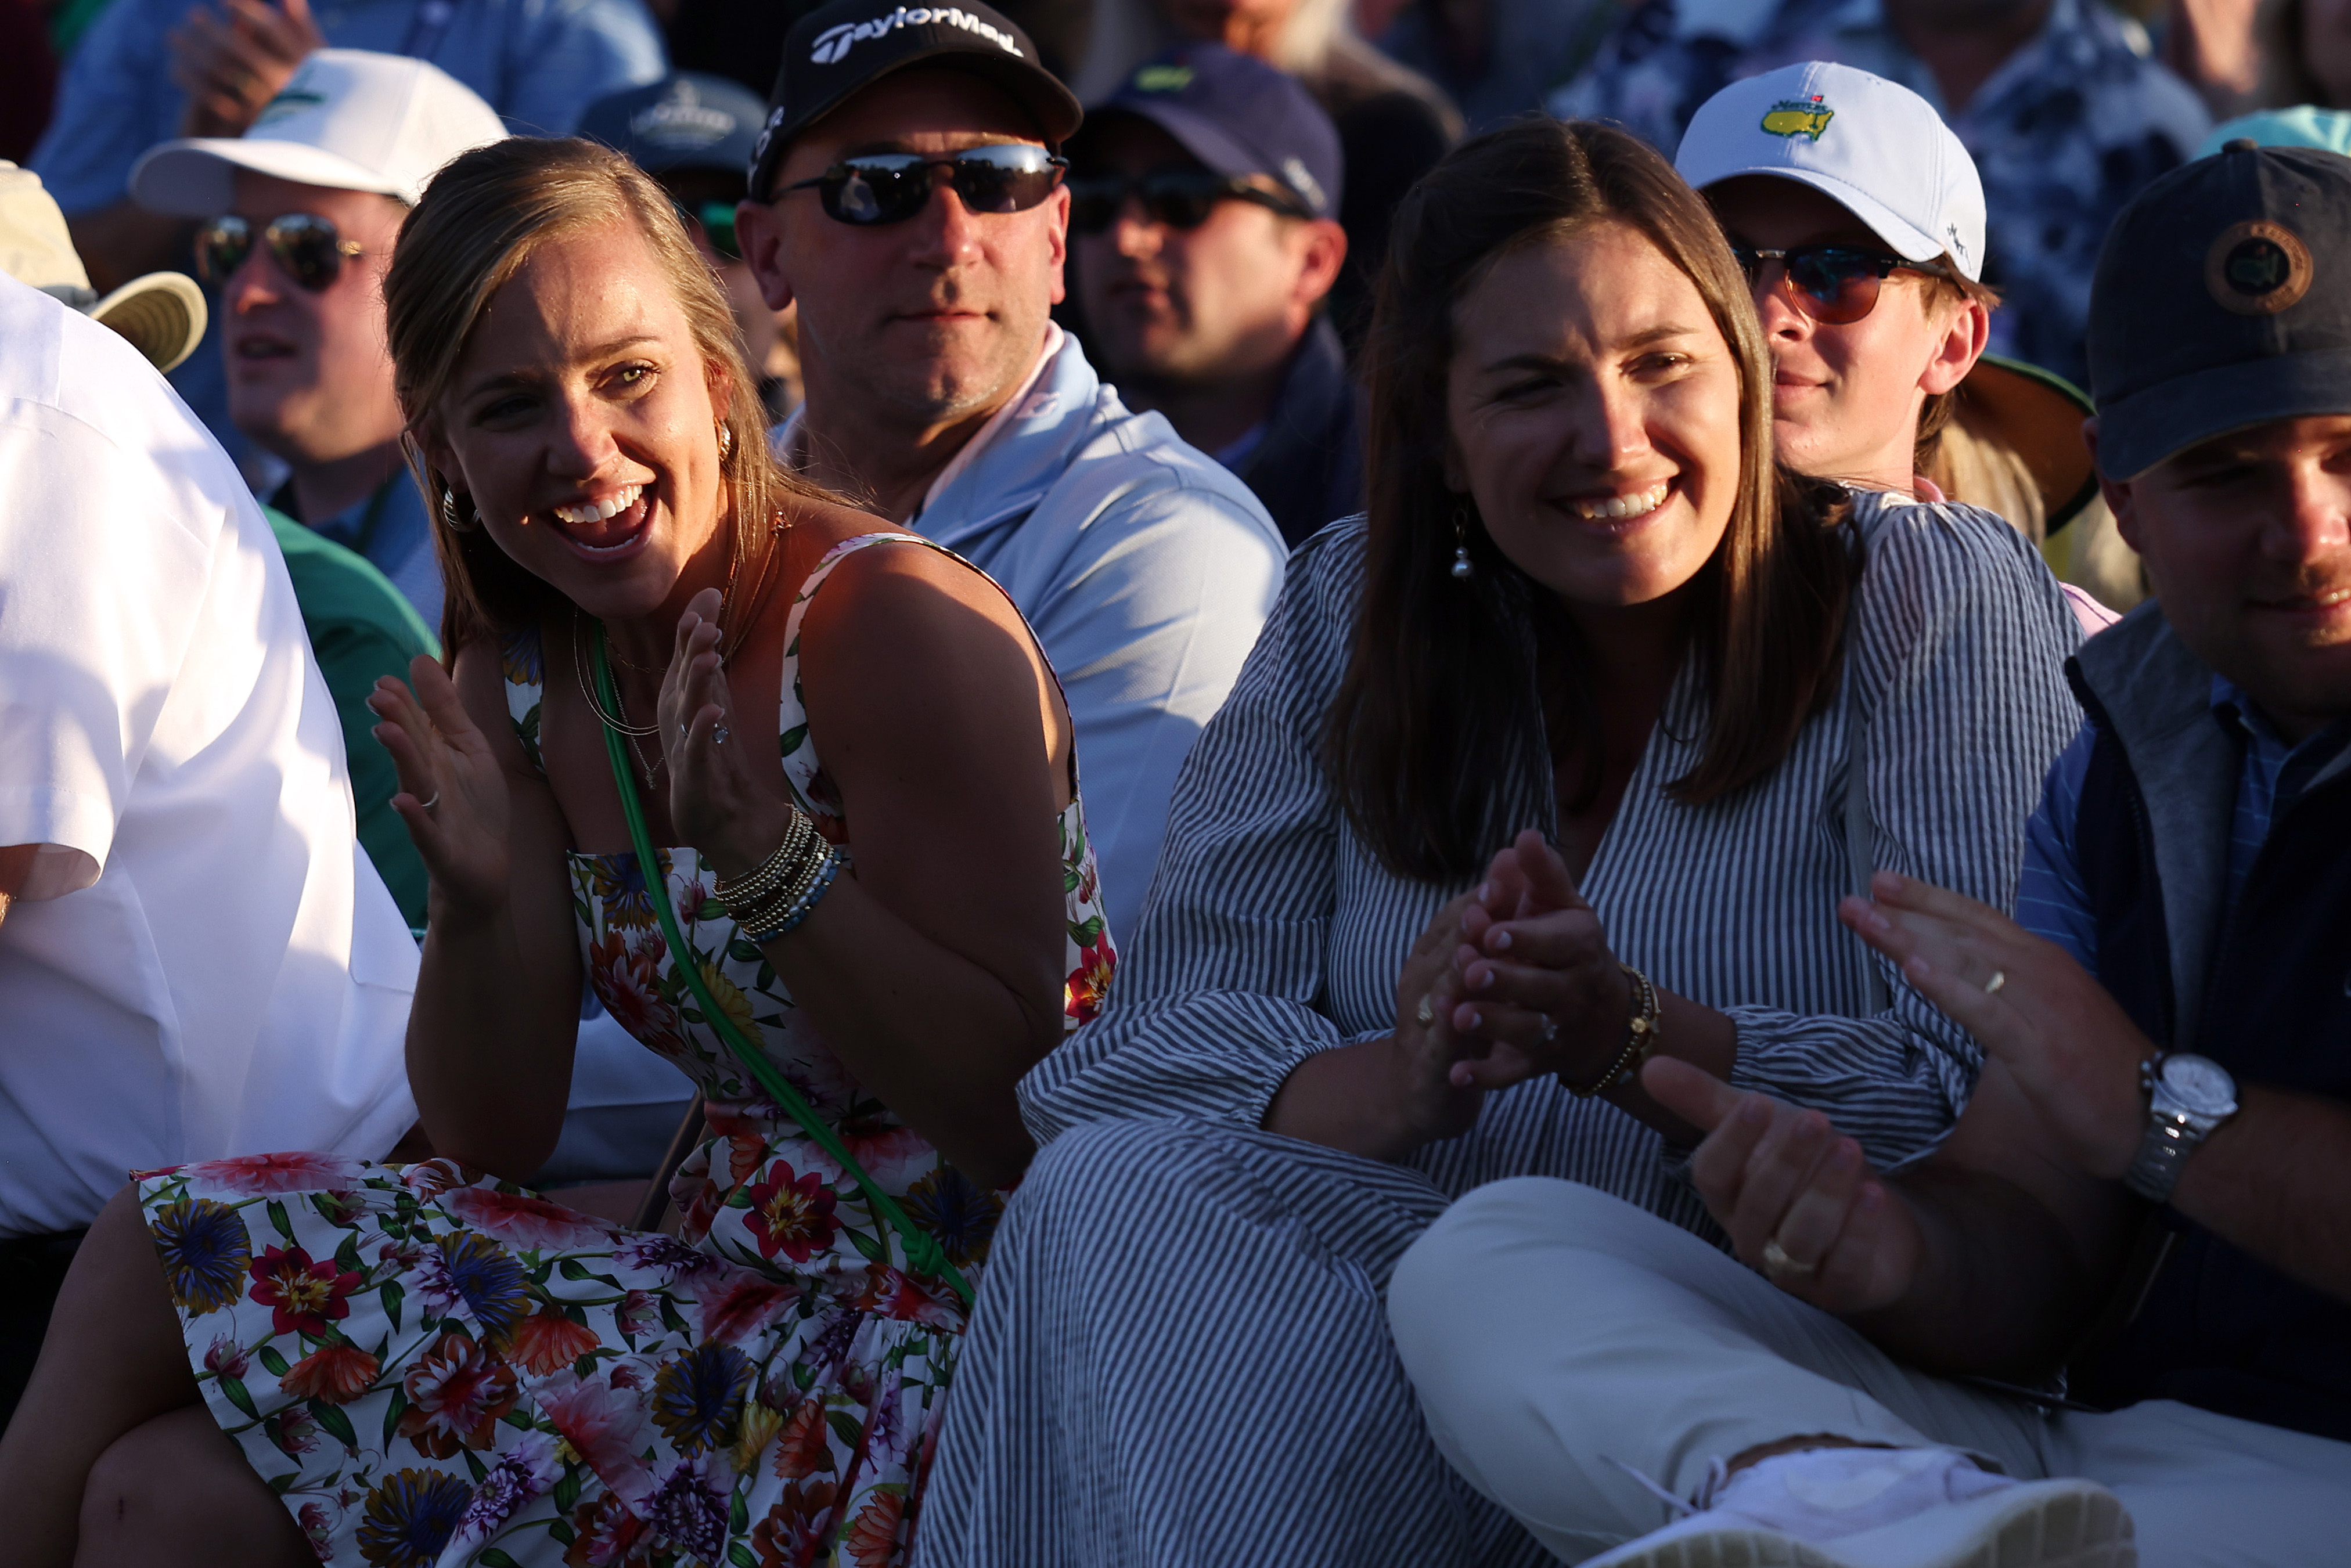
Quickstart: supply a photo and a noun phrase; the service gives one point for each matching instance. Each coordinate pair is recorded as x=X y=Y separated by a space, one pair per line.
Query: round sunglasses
x=309 y=249
x=1835 y=285
x=891 y=187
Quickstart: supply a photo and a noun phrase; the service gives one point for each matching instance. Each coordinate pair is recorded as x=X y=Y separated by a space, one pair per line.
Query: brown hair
x=1424 y=715
x=482 y=218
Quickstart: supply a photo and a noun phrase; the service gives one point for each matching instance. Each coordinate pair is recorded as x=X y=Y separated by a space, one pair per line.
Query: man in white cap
x=196 y=960
x=303 y=212
x=1859 y=219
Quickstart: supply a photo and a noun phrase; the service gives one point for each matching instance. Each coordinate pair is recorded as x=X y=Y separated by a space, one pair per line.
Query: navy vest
x=2218 y=1328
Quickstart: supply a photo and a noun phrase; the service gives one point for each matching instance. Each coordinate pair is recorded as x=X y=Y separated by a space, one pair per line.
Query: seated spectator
x=302 y=222
x=694 y=134
x=1200 y=196
x=195 y=959
x=1496 y=58
x=1589 y=620
x=1863 y=243
x=644 y=610
x=149 y=70
x=2151 y=1178
x=2064 y=118
x=1394 y=124
x=907 y=198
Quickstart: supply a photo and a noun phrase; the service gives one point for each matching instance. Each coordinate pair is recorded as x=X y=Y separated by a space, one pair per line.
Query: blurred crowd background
x=2068 y=107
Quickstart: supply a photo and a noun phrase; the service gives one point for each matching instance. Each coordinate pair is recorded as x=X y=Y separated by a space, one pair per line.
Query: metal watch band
x=2162 y=1155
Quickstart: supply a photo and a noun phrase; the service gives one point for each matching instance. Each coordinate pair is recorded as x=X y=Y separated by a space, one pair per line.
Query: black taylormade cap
x=2222 y=300
x=840 y=48
x=1238 y=116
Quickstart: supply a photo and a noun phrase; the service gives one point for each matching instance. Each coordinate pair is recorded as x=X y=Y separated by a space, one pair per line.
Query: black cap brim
x=1052 y=106
x=2139 y=432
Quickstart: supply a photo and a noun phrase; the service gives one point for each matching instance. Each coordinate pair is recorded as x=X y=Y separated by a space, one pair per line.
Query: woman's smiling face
x=1593 y=413
x=582 y=422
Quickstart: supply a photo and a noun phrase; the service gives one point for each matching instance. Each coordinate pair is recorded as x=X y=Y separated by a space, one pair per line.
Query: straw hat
x=163 y=314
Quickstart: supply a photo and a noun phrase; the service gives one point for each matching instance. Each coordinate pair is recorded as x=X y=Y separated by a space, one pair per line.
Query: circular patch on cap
x=2257 y=268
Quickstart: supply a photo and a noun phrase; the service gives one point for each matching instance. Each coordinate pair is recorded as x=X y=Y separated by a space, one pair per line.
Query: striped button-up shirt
x=1272 y=933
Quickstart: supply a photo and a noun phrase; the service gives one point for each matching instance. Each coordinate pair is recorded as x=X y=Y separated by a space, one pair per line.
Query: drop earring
x=1462 y=569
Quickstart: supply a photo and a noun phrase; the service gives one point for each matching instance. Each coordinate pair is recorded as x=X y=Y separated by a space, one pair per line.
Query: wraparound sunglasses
x=891 y=187
x=309 y=249
x=1835 y=285
x=1181 y=198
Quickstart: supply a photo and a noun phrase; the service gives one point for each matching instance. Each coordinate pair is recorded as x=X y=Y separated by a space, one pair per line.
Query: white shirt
x=202 y=962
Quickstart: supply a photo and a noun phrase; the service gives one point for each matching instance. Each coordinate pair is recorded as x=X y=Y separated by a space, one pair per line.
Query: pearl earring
x=1462 y=569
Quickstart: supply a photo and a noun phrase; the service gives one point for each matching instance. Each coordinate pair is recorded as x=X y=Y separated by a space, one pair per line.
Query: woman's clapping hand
x=718 y=801
x=1540 y=988
x=452 y=792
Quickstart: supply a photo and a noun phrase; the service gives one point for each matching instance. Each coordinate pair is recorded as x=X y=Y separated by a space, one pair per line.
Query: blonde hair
x=482 y=219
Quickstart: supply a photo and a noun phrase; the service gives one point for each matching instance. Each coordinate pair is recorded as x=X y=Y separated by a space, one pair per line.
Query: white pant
x=1550 y=1329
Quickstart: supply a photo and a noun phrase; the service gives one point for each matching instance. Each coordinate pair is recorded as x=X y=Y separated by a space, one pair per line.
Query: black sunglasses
x=308 y=247
x=1182 y=198
x=1835 y=285
x=891 y=187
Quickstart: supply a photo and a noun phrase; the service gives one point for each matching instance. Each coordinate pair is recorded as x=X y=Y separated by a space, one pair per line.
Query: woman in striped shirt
x=1585 y=602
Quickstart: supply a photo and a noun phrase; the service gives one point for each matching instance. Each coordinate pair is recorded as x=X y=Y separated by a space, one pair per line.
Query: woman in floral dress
x=427 y=1364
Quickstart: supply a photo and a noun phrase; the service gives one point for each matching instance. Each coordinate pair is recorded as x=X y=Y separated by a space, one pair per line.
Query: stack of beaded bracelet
x=1640 y=1042
x=782 y=890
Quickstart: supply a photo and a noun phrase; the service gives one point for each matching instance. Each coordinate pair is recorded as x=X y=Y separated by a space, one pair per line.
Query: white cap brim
x=196 y=178
x=162 y=314
x=1907 y=240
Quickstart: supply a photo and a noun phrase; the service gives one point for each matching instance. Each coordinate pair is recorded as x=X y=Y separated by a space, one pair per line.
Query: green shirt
x=360 y=628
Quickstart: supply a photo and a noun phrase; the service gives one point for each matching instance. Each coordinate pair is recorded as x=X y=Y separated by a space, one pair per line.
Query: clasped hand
x=1510 y=981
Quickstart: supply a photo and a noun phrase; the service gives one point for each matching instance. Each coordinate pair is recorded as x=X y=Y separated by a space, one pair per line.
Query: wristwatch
x=2188 y=1099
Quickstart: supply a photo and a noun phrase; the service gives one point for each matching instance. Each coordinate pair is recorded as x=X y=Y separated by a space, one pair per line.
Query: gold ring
x=1993 y=985
x=1427 y=1015
x=1778 y=1265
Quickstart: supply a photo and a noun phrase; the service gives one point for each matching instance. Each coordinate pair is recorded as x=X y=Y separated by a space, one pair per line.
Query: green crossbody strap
x=922 y=1251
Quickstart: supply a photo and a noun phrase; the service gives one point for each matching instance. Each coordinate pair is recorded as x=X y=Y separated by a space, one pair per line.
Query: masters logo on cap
x=2257 y=269
x=1799 y=117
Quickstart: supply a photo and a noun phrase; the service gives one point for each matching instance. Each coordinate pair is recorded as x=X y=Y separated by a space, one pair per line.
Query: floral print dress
x=434 y=1367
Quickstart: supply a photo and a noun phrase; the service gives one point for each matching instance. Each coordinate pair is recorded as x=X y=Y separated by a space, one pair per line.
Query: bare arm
x=497 y=1013
x=935 y=970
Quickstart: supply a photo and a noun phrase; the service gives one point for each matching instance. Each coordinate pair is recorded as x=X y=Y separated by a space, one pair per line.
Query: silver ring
x=1778 y=1265
x=1551 y=1029
x=718 y=735
x=685 y=729
x=428 y=805
x=1427 y=1015
x=1993 y=985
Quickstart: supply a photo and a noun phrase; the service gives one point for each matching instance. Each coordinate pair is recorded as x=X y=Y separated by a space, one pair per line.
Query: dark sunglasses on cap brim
x=891 y=187
x=308 y=248
x=1835 y=285
x=1181 y=198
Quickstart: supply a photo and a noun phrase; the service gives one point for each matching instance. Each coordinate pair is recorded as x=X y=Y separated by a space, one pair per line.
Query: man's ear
x=760 y=234
x=1323 y=246
x=1965 y=337
x=2117 y=492
x=1058 y=230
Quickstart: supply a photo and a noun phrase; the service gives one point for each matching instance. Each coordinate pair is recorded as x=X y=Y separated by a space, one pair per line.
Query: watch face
x=2201 y=1085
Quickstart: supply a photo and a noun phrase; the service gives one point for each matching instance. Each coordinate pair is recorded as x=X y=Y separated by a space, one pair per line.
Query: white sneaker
x=1885 y=1508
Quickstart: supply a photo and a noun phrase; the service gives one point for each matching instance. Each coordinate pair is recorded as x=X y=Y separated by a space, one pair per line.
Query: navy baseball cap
x=2222 y=300
x=1238 y=116
x=839 y=48
x=688 y=120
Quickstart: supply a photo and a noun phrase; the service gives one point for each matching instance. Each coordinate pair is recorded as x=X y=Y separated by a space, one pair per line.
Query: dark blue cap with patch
x=2222 y=300
x=1238 y=116
x=689 y=120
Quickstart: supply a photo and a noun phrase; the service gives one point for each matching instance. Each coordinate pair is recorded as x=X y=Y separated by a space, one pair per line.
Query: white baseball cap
x=162 y=313
x=1873 y=146
x=349 y=120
